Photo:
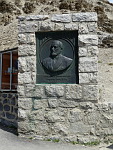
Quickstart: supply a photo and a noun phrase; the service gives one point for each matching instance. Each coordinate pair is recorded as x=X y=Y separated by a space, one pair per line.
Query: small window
x=9 y=70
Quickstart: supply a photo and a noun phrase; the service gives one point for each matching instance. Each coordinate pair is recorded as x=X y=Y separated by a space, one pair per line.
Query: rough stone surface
x=88 y=64
x=73 y=92
x=58 y=110
x=85 y=17
x=65 y=18
x=91 y=40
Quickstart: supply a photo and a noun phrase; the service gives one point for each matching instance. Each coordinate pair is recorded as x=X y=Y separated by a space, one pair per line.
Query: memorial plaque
x=57 y=57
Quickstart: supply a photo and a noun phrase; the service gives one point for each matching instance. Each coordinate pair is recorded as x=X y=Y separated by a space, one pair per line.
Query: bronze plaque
x=57 y=57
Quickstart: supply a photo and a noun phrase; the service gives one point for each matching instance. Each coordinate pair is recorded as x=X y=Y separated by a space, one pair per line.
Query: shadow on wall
x=9 y=112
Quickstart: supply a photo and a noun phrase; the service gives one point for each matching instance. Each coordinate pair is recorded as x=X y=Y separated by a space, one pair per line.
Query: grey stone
x=25 y=103
x=22 y=114
x=21 y=18
x=53 y=103
x=82 y=51
x=46 y=26
x=79 y=128
x=22 y=39
x=59 y=89
x=75 y=115
x=58 y=26
x=92 y=27
x=67 y=103
x=40 y=104
x=54 y=90
x=37 y=17
x=26 y=50
x=30 y=38
x=68 y=27
x=39 y=91
x=37 y=115
x=87 y=39
x=90 y=92
x=64 y=18
x=22 y=64
x=21 y=90
x=93 y=51
x=88 y=78
x=73 y=91
x=31 y=63
x=61 y=129
x=54 y=116
x=24 y=78
x=88 y=64
x=29 y=90
x=84 y=17
x=83 y=28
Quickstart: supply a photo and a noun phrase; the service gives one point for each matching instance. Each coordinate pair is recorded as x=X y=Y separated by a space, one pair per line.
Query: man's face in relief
x=55 y=48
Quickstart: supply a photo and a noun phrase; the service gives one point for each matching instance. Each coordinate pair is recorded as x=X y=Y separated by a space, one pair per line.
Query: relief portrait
x=56 y=61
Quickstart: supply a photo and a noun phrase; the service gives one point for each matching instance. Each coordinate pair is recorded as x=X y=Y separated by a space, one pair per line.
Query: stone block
x=10 y=115
x=26 y=50
x=92 y=27
x=93 y=51
x=53 y=103
x=87 y=39
x=24 y=78
x=21 y=18
x=75 y=115
x=82 y=51
x=83 y=28
x=58 y=26
x=63 y=18
x=79 y=128
x=22 y=114
x=6 y=108
x=68 y=27
x=59 y=89
x=31 y=63
x=37 y=17
x=25 y=103
x=46 y=26
x=40 y=104
x=88 y=64
x=54 y=90
x=84 y=17
x=37 y=115
x=29 y=88
x=22 y=39
x=39 y=91
x=67 y=103
x=90 y=92
x=21 y=90
x=75 y=26
x=22 y=64
x=60 y=128
x=30 y=38
x=54 y=116
x=88 y=78
x=74 y=92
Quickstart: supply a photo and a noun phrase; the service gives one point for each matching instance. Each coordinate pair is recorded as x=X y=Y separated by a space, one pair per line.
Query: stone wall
x=8 y=108
x=63 y=111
